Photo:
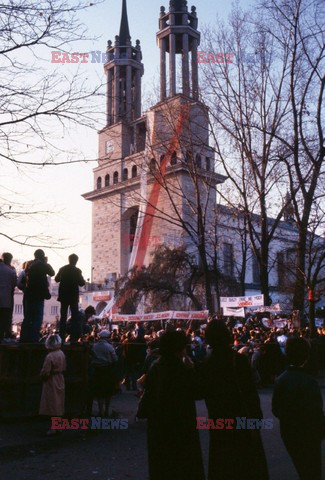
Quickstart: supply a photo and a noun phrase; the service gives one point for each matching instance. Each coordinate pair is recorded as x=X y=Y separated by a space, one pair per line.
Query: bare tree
x=40 y=101
x=299 y=37
x=250 y=98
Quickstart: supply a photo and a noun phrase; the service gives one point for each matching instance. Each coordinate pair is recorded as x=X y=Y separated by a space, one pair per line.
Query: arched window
x=173 y=160
x=125 y=174
x=198 y=161
x=208 y=164
x=134 y=171
x=161 y=158
x=99 y=183
x=115 y=178
x=152 y=165
x=107 y=179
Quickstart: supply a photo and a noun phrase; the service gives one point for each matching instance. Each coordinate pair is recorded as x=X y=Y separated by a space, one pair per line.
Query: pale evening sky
x=59 y=189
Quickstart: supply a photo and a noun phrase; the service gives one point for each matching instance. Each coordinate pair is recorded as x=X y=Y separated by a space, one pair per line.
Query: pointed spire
x=124 y=29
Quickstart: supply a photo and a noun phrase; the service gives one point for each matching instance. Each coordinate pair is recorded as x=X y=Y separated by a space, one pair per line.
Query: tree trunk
x=207 y=279
x=299 y=287
x=312 y=318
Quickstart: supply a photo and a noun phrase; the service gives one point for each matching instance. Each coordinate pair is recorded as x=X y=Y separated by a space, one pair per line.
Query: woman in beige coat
x=53 y=392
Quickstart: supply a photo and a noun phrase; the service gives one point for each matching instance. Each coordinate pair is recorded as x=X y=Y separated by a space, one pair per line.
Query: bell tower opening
x=178 y=36
x=128 y=239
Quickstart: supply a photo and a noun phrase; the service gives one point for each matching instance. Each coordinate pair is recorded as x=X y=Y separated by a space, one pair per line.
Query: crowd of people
x=169 y=365
x=163 y=365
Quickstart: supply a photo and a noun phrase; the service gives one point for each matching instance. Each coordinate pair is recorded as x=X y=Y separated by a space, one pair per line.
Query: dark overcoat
x=173 y=442
x=229 y=392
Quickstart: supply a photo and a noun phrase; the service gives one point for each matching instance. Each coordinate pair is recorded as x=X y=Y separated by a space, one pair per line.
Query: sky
x=58 y=189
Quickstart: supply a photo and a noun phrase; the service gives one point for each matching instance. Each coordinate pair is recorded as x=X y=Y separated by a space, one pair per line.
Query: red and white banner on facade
x=101 y=296
x=169 y=315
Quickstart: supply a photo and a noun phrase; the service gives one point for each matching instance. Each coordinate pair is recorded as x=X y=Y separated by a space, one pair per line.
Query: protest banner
x=233 y=312
x=154 y=316
x=248 y=301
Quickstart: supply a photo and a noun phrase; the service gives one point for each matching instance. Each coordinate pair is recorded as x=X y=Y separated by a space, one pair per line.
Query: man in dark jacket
x=171 y=388
x=36 y=291
x=70 y=279
x=8 y=280
x=298 y=404
x=229 y=391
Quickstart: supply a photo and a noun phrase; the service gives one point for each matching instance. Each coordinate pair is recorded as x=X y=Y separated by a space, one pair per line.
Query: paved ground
x=27 y=454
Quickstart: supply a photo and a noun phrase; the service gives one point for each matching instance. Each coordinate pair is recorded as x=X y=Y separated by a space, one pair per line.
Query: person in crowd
x=8 y=281
x=229 y=391
x=21 y=284
x=85 y=316
x=7 y=259
x=152 y=355
x=297 y=402
x=282 y=340
x=70 y=279
x=134 y=353
x=53 y=391
x=170 y=390
x=103 y=381
x=36 y=291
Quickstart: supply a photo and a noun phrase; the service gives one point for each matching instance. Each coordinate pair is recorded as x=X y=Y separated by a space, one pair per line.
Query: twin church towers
x=143 y=170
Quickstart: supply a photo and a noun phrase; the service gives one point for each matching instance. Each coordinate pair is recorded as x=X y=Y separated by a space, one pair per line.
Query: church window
x=173 y=160
x=134 y=171
x=198 y=161
x=125 y=174
x=152 y=166
x=115 y=178
x=99 y=183
x=107 y=180
x=208 y=164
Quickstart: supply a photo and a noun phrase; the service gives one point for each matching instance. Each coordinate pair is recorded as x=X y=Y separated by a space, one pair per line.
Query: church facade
x=145 y=161
x=156 y=170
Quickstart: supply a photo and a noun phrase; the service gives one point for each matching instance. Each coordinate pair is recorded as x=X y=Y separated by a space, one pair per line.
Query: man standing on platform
x=8 y=281
x=70 y=279
x=36 y=291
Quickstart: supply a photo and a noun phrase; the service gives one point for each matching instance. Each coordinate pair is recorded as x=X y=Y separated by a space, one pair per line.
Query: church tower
x=178 y=36
x=148 y=163
x=124 y=71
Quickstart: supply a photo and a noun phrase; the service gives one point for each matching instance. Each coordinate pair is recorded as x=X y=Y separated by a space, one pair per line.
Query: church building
x=143 y=185
x=156 y=171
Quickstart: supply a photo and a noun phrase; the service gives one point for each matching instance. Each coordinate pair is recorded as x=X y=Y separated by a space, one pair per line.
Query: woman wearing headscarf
x=170 y=391
x=53 y=391
x=229 y=392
